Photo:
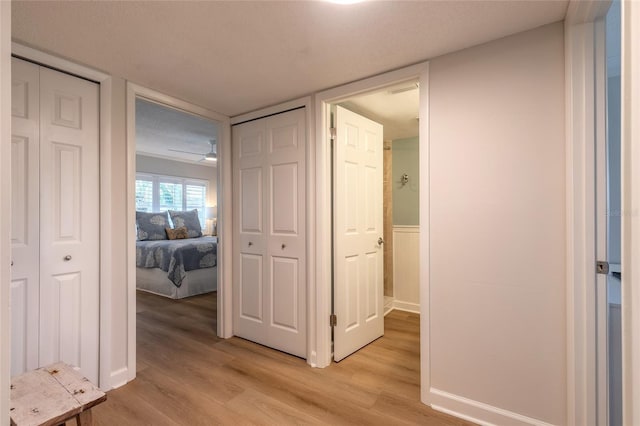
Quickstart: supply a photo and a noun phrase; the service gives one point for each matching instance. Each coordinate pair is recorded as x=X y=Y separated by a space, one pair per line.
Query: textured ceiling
x=236 y=56
x=396 y=108
x=160 y=129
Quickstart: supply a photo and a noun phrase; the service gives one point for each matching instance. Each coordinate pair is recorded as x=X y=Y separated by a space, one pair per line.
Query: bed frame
x=199 y=281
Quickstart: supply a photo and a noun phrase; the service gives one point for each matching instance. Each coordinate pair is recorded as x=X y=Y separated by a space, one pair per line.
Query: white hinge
x=333 y=133
x=333 y=320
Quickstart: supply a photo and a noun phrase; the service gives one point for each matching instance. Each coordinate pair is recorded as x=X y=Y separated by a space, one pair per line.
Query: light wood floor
x=186 y=375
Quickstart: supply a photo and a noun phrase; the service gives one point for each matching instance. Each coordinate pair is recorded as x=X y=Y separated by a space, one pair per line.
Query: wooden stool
x=52 y=395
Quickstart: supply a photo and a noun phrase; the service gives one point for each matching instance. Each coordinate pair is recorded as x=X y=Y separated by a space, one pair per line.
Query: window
x=156 y=193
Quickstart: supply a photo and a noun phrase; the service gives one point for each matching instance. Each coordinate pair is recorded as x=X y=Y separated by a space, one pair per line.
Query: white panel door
x=269 y=232
x=69 y=218
x=357 y=217
x=55 y=220
x=25 y=222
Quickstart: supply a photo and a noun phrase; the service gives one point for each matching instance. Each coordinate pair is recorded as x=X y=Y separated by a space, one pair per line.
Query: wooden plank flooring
x=186 y=375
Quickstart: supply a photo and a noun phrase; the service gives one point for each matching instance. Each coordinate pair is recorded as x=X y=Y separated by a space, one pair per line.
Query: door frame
x=223 y=167
x=5 y=214
x=582 y=127
x=324 y=194
x=630 y=208
x=105 y=88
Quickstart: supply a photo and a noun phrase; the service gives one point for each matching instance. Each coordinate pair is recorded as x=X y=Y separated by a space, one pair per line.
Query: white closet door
x=55 y=220
x=25 y=222
x=69 y=218
x=358 y=253
x=269 y=262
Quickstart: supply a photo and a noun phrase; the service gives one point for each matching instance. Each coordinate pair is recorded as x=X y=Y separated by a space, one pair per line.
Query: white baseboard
x=388 y=305
x=406 y=306
x=478 y=412
x=119 y=377
x=391 y=304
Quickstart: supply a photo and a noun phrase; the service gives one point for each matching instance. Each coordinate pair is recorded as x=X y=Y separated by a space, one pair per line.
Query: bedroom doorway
x=173 y=272
x=375 y=143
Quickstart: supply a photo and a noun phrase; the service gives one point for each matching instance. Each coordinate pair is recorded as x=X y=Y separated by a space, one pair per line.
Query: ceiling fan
x=208 y=156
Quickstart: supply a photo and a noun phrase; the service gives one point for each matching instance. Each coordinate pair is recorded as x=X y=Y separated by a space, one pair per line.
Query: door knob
x=283 y=246
x=380 y=241
x=67 y=258
x=250 y=243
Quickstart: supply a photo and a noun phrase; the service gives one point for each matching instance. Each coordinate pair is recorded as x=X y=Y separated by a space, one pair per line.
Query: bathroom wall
x=405 y=197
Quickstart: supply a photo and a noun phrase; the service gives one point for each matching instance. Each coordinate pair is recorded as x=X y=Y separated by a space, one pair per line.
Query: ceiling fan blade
x=186 y=152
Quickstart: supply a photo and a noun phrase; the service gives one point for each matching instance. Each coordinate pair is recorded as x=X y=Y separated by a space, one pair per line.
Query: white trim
x=106 y=228
x=5 y=213
x=56 y=62
x=601 y=222
x=225 y=233
x=275 y=109
x=425 y=253
x=134 y=91
x=323 y=160
x=119 y=377
x=409 y=229
x=631 y=209
x=580 y=220
x=306 y=103
x=406 y=306
x=475 y=410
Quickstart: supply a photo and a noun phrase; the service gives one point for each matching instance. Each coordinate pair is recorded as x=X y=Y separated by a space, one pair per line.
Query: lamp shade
x=211 y=212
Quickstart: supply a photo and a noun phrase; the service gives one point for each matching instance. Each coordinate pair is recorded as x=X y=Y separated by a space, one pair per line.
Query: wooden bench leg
x=85 y=418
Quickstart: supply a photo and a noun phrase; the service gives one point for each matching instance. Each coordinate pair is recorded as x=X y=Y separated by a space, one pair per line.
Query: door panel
x=269 y=235
x=358 y=273
x=69 y=218
x=251 y=287
x=19 y=326
x=284 y=182
x=25 y=225
x=251 y=192
x=284 y=292
x=65 y=187
x=60 y=330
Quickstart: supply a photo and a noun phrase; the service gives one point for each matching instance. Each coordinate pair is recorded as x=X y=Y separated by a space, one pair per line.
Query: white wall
x=406 y=198
x=497 y=230
x=162 y=166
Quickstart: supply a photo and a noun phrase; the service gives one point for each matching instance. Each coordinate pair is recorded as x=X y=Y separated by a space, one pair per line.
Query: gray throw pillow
x=188 y=219
x=151 y=225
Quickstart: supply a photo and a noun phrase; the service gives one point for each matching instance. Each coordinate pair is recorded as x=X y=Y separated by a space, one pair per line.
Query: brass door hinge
x=333 y=133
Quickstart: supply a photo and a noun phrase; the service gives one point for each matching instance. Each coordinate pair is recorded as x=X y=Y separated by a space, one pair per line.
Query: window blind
x=157 y=193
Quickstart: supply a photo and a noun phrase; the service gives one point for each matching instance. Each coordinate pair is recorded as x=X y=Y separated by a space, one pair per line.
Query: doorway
x=176 y=203
x=173 y=188
x=375 y=212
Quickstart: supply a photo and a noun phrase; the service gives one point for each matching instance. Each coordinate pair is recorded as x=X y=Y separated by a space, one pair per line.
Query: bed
x=177 y=268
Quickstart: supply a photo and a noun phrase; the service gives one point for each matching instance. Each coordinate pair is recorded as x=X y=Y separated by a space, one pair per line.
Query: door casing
x=323 y=164
x=224 y=232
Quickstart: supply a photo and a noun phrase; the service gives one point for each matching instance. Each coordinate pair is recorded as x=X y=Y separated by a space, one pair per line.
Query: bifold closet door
x=269 y=267
x=25 y=216
x=57 y=187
